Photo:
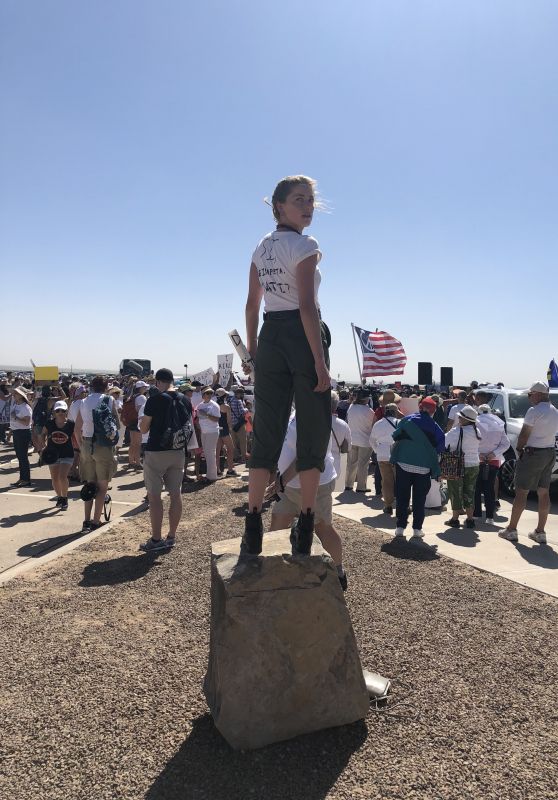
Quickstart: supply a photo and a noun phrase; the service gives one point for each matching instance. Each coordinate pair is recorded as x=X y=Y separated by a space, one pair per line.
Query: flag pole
x=356 y=352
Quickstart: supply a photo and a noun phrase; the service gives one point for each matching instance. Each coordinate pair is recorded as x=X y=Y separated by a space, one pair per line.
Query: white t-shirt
x=453 y=412
x=469 y=444
x=73 y=410
x=360 y=419
x=381 y=439
x=208 y=425
x=18 y=412
x=493 y=436
x=288 y=455
x=543 y=418
x=343 y=433
x=276 y=258
x=139 y=403
x=86 y=411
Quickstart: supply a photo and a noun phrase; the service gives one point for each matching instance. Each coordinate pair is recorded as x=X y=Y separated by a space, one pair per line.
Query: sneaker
x=469 y=523
x=302 y=534
x=417 y=534
x=20 y=484
x=253 y=534
x=153 y=545
x=59 y=502
x=388 y=510
x=170 y=541
x=489 y=521
x=452 y=523
x=232 y=473
x=511 y=536
x=63 y=505
x=538 y=536
x=399 y=533
x=86 y=526
x=497 y=505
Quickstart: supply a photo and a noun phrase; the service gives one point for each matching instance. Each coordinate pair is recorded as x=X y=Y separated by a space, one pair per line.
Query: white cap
x=539 y=386
x=60 y=405
x=141 y=385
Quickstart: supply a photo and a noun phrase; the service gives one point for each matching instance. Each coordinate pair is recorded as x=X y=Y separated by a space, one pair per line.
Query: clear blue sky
x=138 y=140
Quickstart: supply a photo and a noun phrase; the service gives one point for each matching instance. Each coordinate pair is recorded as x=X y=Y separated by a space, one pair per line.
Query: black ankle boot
x=302 y=533
x=253 y=534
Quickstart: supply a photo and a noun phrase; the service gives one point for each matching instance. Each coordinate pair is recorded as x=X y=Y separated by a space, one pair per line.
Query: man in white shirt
x=381 y=441
x=97 y=461
x=536 y=448
x=287 y=509
x=454 y=410
x=360 y=419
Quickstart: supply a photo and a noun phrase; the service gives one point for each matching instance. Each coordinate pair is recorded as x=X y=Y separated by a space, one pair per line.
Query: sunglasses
x=60 y=411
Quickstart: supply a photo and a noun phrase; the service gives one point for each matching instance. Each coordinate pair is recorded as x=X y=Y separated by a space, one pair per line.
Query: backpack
x=129 y=412
x=177 y=430
x=105 y=427
x=40 y=412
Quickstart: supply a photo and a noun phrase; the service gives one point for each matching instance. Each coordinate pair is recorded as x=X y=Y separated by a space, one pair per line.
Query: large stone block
x=283 y=658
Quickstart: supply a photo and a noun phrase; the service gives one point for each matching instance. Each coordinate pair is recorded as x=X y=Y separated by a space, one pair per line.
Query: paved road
x=526 y=562
x=30 y=526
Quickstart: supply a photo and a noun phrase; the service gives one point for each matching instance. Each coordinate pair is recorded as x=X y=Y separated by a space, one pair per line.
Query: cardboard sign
x=48 y=374
x=409 y=405
x=205 y=377
x=224 y=367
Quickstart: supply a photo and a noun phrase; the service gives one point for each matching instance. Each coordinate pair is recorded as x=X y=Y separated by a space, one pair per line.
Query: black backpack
x=40 y=412
x=177 y=429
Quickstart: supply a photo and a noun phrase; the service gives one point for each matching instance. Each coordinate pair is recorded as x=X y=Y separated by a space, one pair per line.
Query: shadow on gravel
x=119 y=570
x=306 y=767
x=462 y=537
x=410 y=552
x=540 y=555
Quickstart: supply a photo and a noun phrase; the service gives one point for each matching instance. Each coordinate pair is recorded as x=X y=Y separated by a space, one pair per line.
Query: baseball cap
x=164 y=375
x=60 y=405
x=141 y=385
x=484 y=408
x=186 y=387
x=539 y=386
x=428 y=401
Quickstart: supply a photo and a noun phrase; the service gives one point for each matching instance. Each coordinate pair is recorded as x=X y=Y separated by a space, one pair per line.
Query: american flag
x=382 y=354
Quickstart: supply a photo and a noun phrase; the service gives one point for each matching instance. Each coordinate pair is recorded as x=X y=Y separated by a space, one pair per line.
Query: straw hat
x=21 y=392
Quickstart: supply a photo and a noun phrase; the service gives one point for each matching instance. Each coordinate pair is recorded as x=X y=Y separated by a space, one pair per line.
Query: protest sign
x=224 y=367
x=205 y=377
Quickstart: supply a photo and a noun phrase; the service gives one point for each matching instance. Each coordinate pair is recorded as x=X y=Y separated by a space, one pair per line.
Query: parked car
x=511 y=406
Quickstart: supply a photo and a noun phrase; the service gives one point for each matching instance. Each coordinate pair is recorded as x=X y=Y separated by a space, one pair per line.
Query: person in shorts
x=56 y=440
x=536 y=448
x=286 y=510
x=162 y=466
x=97 y=462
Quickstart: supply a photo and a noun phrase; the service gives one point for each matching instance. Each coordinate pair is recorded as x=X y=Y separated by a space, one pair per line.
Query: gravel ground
x=103 y=653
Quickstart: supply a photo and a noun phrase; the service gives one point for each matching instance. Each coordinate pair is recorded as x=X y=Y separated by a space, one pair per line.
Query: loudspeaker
x=425 y=372
x=446 y=376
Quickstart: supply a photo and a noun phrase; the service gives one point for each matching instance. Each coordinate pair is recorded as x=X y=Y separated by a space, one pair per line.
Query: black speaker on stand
x=425 y=372
x=446 y=376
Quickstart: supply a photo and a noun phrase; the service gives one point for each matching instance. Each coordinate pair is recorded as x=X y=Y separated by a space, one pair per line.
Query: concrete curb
x=32 y=562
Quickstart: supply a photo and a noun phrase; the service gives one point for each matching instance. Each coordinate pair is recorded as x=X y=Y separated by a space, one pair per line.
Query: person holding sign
x=291 y=358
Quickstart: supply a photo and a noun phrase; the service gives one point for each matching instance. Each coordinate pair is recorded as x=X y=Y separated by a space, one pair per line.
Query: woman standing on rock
x=291 y=358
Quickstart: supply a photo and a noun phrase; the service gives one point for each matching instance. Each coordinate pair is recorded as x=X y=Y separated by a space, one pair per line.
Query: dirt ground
x=103 y=653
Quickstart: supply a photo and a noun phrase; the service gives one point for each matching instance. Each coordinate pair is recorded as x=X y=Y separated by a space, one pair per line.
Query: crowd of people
x=58 y=423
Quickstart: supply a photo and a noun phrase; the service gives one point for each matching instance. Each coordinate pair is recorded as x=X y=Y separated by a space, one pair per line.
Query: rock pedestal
x=283 y=659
